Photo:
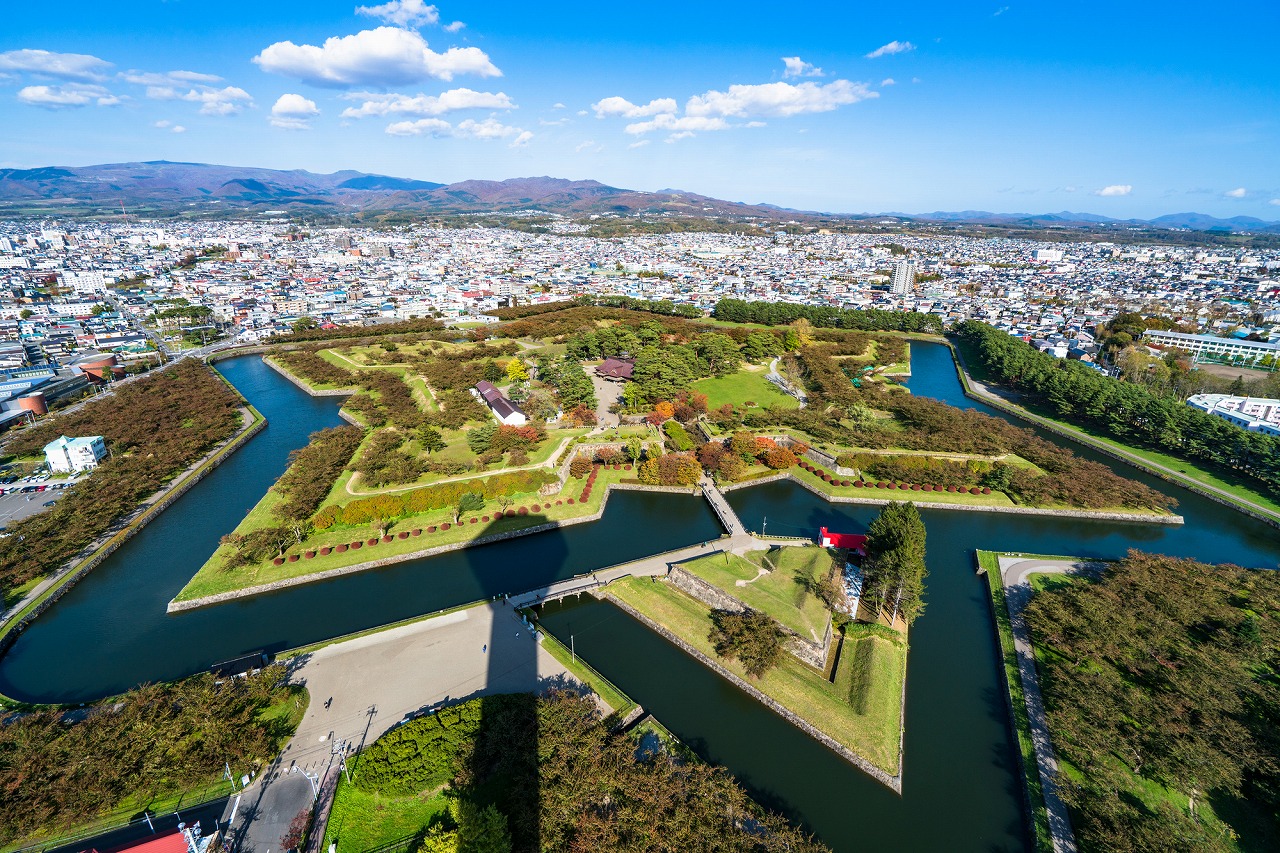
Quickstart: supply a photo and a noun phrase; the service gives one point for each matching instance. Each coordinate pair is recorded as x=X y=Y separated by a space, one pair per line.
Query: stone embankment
x=248 y=592
x=808 y=651
x=1096 y=515
x=150 y=509
x=893 y=782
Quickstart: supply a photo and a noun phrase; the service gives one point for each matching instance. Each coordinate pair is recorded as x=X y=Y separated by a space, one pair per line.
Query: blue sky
x=1124 y=109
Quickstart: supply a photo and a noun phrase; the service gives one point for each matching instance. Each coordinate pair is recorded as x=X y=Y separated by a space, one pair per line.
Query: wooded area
x=1127 y=412
x=154 y=428
x=1162 y=684
x=558 y=779
x=59 y=769
x=893 y=569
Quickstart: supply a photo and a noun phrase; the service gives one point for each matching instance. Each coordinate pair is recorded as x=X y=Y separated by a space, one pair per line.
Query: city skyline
x=983 y=106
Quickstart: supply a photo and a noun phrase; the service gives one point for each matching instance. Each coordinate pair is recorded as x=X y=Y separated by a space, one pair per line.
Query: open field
x=364 y=820
x=779 y=583
x=873 y=735
x=745 y=386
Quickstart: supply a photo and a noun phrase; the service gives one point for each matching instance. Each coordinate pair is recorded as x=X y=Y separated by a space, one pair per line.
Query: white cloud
x=177 y=128
x=425 y=105
x=69 y=95
x=162 y=123
x=888 y=81
x=403 y=13
x=489 y=128
x=560 y=122
x=1114 y=190
x=1000 y=11
x=454 y=27
x=168 y=78
x=778 y=99
x=797 y=67
x=421 y=127
x=386 y=56
x=682 y=124
x=891 y=48
x=66 y=66
x=293 y=112
x=676 y=137
x=227 y=101
x=558 y=106
x=1275 y=201
x=642 y=143
x=616 y=106
x=583 y=146
x=1238 y=192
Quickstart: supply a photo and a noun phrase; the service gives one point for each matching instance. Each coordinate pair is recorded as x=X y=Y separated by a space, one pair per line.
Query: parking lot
x=24 y=498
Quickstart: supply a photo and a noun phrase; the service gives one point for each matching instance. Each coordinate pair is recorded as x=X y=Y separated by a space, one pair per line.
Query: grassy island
x=856 y=699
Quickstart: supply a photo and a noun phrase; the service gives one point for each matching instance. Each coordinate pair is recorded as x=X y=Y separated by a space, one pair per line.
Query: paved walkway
x=1014 y=572
x=363 y=687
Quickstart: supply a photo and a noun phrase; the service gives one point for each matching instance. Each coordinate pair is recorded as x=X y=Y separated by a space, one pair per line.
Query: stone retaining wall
x=248 y=592
x=1096 y=515
x=175 y=491
x=891 y=781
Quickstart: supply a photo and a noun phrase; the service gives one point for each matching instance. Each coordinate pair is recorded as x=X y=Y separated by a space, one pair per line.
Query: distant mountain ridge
x=161 y=185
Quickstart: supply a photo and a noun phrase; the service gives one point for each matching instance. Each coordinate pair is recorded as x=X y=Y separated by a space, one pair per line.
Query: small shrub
x=974 y=490
x=986 y=490
x=560 y=503
x=431 y=529
x=858 y=484
x=570 y=500
x=403 y=534
x=522 y=511
x=326 y=551
x=309 y=555
x=417 y=531
x=278 y=561
x=484 y=518
x=341 y=549
x=372 y=542
x=915 y=487
x=388 y=538
x=356 y=546
x=445 y=526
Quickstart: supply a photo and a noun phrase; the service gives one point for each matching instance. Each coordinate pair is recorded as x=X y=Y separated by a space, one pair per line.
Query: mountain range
x=200 y=188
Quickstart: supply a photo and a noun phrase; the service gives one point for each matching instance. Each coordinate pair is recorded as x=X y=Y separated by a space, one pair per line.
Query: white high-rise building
x=904 y=277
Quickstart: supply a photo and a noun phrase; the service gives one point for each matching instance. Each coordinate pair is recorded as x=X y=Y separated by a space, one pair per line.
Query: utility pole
x=573 y=654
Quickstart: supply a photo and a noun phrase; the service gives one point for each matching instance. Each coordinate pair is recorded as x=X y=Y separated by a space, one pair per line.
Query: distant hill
x=160 y=186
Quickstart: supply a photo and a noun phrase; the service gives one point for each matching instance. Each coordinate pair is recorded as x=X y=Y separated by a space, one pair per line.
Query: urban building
x=904 y=278
x=73 y=455
x=1211 y=347
x=1254 y=414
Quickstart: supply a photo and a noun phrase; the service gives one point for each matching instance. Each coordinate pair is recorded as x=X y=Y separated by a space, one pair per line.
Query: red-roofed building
x=855 y=542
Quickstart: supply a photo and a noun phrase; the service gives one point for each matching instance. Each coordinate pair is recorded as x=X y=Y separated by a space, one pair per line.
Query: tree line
x=1126 y=412
x=154 y=427
x=59 y=769
x=893 y=570
x=1161 y=679
x=784 y=313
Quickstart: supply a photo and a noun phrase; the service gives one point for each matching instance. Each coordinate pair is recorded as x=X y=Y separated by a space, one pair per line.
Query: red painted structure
x=855 y=542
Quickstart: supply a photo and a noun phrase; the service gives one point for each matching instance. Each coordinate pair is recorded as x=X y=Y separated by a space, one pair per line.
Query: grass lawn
x=784 y=591
x=743 y=387
x=874 y=735
x=14 y=595
x=363 y=820
x=213 y=577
